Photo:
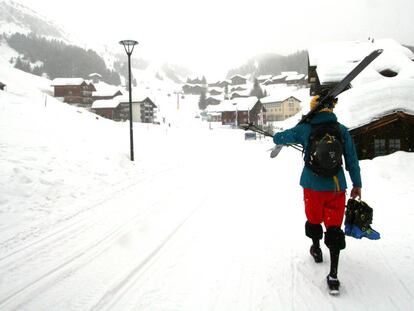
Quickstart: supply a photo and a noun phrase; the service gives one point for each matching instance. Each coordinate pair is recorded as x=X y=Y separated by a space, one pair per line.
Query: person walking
x=324 y=183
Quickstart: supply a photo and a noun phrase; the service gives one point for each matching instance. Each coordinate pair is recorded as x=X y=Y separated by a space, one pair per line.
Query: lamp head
x=128 y=45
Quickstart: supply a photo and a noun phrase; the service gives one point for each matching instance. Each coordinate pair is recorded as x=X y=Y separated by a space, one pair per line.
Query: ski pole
x=254 y=128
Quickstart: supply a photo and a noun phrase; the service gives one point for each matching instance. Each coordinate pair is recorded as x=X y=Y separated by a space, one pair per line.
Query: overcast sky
x=202 y=34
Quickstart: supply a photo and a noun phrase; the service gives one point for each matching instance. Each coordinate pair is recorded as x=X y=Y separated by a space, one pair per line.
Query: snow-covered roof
x=105 y=103
x=241 y=92
x=335 y=60
x=105 y=89
x=67 y=81
x=136 y=98
x=295 y=77
x=217 y=89
x=372 y=94
x=279 y=77
x=264 y=77
x=95 y=74
x=238 y=76
x=240 y=104
x=275 y=98
x=367 y=102
x=216 y=97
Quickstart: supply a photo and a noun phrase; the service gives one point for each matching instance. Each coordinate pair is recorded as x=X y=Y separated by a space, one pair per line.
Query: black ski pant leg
x=315 y=232
x=334 y=262
x=335 y=241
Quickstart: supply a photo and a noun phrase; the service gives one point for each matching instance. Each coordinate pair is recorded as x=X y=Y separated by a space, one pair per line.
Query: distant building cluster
x=105 y=100
x=239 y=100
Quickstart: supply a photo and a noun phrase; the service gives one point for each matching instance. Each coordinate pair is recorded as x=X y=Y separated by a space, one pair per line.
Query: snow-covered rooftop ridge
x=136 y=97
x=105 y=103
x=369 y=101
x=264 y=77
x=294 y=77
x=239 y=104
x=275 y=98
x=67 y=81
x=105 y=89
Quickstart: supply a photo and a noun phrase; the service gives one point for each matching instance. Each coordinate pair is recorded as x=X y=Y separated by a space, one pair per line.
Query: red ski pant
x=324 y=207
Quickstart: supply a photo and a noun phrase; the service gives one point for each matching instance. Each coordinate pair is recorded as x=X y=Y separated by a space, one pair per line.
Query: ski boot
x=333 y=285
x=364 y=232
x=316 y=253
x=358 y=219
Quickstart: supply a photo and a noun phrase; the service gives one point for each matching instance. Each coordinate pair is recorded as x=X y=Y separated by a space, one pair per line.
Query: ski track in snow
x=37 y=250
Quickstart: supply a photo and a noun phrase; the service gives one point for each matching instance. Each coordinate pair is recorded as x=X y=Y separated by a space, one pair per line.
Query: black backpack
x=325 y=149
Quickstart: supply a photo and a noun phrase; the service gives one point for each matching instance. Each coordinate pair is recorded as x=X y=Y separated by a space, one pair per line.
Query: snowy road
x=219 y=226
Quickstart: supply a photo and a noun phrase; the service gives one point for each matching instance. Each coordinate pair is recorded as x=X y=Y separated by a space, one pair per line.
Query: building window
x=379 y=147
x=394 y=145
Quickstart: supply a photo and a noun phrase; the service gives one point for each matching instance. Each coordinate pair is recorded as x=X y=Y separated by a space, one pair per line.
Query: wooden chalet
x=385 y=135
x=215 y=91
x=107 y=108
x=238 y=79
x=224 y=83
x=263 y=78
x=95 y=77
x=244 y=110
x=193 y=89
x=106 y=95
x=212 y=101
x=143 y=109
x=74 y=91
x=105 y=91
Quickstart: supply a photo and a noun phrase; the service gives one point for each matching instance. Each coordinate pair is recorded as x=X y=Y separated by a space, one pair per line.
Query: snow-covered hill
x=15 y=17
x=201 y=220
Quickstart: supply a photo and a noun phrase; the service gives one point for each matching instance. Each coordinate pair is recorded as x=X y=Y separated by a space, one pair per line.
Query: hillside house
x=379 y=108
x=263 y=78
x=105 y=91
x=107 y=108
x=296 y=79
x=240 y=94
x=389 y=133
x=195 y=89
x=74 y=91
x=95 y=77
x=238 y=80
x=224 y=83
x=143 y=109
x=211 y=100
x=279 y=108
x=2 y=86
x=244 y=110
x=215 y=91
x=279 y=79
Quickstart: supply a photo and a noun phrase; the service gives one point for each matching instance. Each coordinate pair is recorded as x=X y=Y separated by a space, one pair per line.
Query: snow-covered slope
x=15 y=17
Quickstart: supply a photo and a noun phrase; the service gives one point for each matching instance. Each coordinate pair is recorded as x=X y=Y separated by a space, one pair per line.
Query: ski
x=342 y=85
x=326 y=100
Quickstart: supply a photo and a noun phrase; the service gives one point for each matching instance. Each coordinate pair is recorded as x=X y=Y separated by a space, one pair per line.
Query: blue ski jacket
x=300 y=135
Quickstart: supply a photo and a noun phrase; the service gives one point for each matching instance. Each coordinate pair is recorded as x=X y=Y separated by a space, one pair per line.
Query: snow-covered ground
x=201 y=220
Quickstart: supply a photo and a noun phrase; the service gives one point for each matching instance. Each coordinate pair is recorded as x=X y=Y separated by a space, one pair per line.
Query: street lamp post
x=129 y=48
x=237 y=114
x=179 y=94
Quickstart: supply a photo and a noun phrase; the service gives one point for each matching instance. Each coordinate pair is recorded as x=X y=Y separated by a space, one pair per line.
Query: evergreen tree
x=202 y=104
x=58 y=58
x=257 y=90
